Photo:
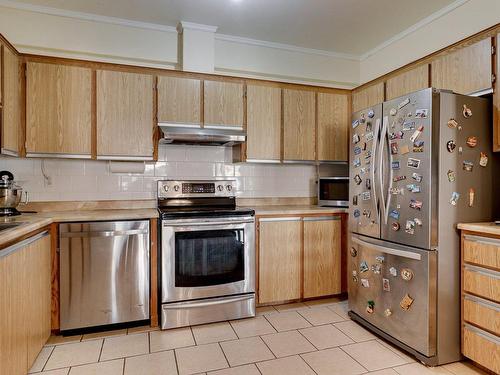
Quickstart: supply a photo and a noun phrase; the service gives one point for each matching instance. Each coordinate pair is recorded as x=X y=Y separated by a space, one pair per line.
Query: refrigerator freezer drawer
x=482 y=282
x=482 y=313
x=481 y=347
x=402 y=307
x=483 y=251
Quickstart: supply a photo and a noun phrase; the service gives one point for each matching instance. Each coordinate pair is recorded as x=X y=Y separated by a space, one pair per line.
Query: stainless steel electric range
x=207 y=258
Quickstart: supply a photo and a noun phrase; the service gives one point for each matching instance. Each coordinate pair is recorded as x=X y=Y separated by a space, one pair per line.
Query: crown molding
x=86 y=16
x=195 y=26
x=427 y=20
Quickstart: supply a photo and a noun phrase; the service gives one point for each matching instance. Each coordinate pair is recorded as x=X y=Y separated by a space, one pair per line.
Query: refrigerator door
x=363 y=193
x=405 y=174
x=393 y=287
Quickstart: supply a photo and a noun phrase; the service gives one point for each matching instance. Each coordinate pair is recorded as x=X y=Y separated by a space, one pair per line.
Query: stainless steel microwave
x=333 y=191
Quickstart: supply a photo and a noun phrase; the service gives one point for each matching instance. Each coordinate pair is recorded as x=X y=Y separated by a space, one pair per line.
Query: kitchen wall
x=92 y=180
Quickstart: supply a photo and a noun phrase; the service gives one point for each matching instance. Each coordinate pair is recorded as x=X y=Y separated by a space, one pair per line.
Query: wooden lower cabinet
x=25 y=303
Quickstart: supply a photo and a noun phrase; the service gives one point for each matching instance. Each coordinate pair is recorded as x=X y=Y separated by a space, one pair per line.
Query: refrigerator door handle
x=387 y=250
x=379 y=166
x=388 y=172
x=374 y=150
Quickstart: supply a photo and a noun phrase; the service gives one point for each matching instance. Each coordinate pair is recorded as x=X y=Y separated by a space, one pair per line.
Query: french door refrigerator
x=420 y=164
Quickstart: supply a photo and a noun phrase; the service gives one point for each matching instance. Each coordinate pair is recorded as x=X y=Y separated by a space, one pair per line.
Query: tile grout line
x=100 y=352
x=224 y=354
x=354 y=359
x=50 y=355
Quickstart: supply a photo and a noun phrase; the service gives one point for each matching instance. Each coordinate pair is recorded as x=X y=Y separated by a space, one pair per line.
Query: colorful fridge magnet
x=370 y=306
x=413 y=188
x=410 y=227
x=354 y=200
x=376 y=268
x=467 y=112
x=460 y=150
x=421 y=113
x=396 y=191
x=451 y=145
x=416 y=133
x=363 y=266
x=368 y=184
x=368 y=154
x=468 y=166
x=369 y=136
x=393 y=271
x=417 y=177
x=364 y=146
x=406 y=302
x=472 y=193
x=355 y=276
x=451 y=175
x=483 y=159
x=357 y=150
x=371 y=113
x=357 y=179
x=454 y=198
x=356 y=213
x=367 y=213
x=395 y=226
x=408 y=125
x=356 y=163
x=472 y=141
x=395 y=165
x=387 y=313
x=362 y=118
x=413 y=163
x=380 y=259
x=365 y=283
x=404 y=149
x=393 y=111
x=353 y=252
x=369 y=126
x=394 y=148
x=355 y=124
x=396 y=135
x=407 y=274
x=386 y=285
x=418 y=221
x=399 y=178
x=404 y=103
x=394 y=214
x=452 y=123
x=418 y=146
x=355 y=138
x=366 y=196
x=416 y=205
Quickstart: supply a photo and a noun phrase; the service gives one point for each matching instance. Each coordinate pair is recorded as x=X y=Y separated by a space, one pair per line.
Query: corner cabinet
x=333 y=126
x=125 y=115
x=179 y=101
x=223 y=104
x=11 y=102
x=58 y=111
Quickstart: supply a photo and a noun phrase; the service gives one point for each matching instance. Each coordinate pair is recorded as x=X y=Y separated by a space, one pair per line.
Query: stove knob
x=176 y=187
x=220 y=187
x=165 y=187
x=229 y=187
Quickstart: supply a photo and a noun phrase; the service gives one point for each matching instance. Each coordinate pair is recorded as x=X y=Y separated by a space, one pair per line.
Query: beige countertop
x=296 y=210
x=487 y=228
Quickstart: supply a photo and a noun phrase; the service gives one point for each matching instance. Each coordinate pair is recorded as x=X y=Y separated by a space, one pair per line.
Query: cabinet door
x=58 y=110
x=280 y=242
x=333 y=126
x=368 y=96
x=409 y=81
x=12 y=105
x=263 y=122
x=322 y=256
x=125 y=118
x=223 y=104
x=179 y=100
x=465 y=71
x=299 y=136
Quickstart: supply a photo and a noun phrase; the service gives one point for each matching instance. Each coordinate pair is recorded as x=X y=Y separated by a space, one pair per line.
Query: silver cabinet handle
x=321 y=218
x=483 y=271
x=270 y=219
x=22 y=244
x=399 y=253
x=483 y=302
x=110 y=233
x=483 y=240
x=485 y=335
x=190 y=305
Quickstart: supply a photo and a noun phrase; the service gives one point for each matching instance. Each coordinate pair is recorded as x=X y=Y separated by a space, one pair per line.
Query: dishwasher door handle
x=106 y=233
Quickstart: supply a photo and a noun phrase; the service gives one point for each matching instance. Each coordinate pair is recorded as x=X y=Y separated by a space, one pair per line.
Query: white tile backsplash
x=92 y=180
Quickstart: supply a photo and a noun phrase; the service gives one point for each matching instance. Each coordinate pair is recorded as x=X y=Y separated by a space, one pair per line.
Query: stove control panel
x=195 y=188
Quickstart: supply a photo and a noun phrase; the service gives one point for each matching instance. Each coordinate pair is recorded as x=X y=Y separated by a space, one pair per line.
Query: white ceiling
x=343 y=26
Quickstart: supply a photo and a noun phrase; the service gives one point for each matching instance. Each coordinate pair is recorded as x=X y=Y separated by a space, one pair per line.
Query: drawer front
x=482 y=313
x=481 y=347
x=482 y=282
x=482 y=251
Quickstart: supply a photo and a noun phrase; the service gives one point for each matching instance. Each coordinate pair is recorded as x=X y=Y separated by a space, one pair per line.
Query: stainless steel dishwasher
x=104 y=273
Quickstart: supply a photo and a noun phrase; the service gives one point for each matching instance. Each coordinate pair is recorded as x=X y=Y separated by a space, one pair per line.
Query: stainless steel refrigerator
x=420 y=164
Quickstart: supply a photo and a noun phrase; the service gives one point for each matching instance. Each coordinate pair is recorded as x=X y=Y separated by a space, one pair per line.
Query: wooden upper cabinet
x=179 y=100
x=12 y=103
x=333 y=126
x=223 y=103
x=368 y=96
x=407 y=82
x=322 y=256
x=125 y=118
x=263 y=123
x=58 y=110
x=299 y=135
x=465 y=71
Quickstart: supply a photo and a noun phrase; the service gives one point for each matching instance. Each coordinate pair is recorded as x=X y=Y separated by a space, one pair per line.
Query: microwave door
x=333 y=191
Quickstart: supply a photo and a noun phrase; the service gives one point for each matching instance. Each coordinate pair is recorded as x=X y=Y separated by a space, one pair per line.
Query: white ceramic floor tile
x=293 y=365
x=340 y=309
x=57 y=340
x=406 y=356
x=463 y=368
x=265 y=310
x=333 y=362
x=62 y=371
x=102 y=368
x=320 y=315
x=125 y=346
x=215 y=332
x=288 y=343
x=196 y=359
x=287 y=321
x=171 y=339
x=160 y=363
x=355 y=331
x=240 y=370
x=327 y=336
x=249 y=350
x=387 y=371
x=291 y=307
x=252 y=327
x=41 y=360
x=373 y=355
x=323 y=302
x=418 y=369
x=74 y=354
x=98 y=335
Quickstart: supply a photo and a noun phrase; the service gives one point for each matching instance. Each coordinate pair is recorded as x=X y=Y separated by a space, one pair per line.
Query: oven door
x=207 y=257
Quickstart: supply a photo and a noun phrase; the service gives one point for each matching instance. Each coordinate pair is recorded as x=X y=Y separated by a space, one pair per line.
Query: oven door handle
x=196 y=304
x=184 y=223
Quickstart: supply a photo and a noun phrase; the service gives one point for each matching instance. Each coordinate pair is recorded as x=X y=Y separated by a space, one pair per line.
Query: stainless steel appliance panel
x=104 y=273
x=416 y=326
x=187 y=313
x=363 y=192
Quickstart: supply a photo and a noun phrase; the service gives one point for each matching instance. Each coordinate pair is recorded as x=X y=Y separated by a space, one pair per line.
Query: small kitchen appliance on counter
x=10 y=195
x=207 y=256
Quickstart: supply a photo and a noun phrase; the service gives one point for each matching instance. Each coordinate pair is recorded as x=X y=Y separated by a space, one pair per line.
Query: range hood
x=208 y=136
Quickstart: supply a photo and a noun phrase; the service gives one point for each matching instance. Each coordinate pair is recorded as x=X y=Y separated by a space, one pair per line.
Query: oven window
x=334 y=190
x=204 y=258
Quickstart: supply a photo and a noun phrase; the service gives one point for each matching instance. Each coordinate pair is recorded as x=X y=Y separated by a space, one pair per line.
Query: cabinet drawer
x=482 y=282
x=481 y=347
x=482 y=251
x=482 y=313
